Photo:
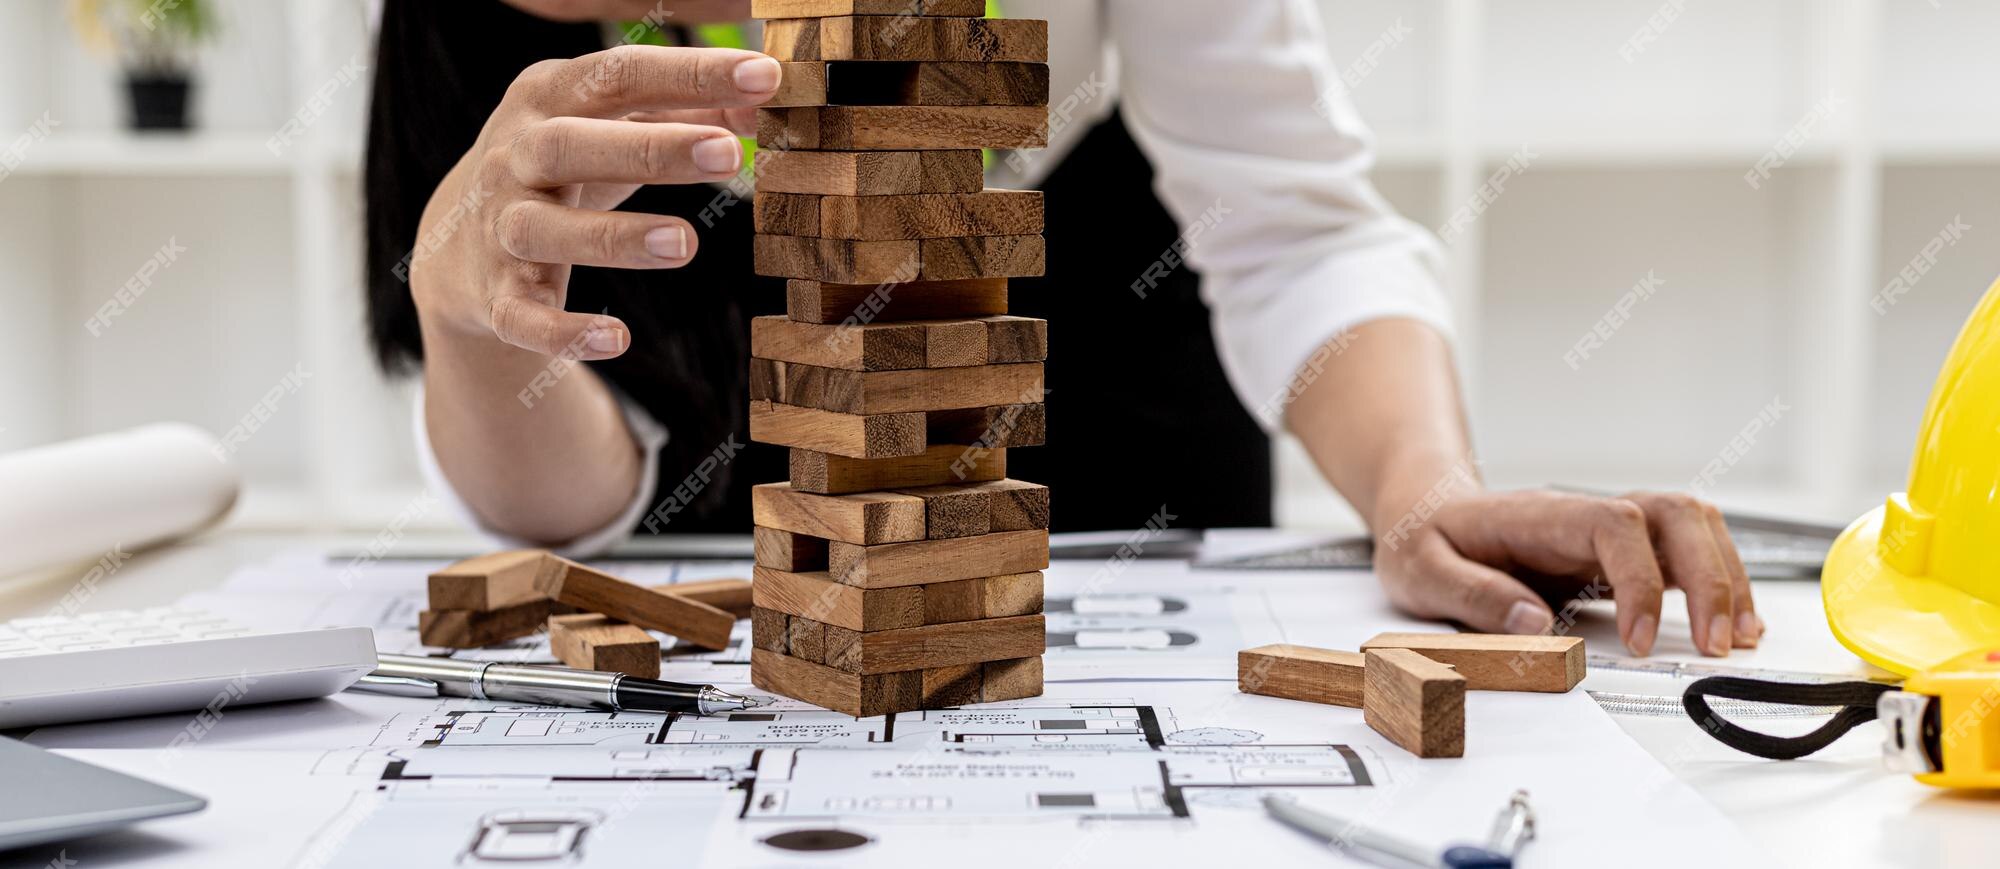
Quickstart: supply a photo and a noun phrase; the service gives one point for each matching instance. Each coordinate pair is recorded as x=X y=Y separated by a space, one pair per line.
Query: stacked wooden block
x=899 y=568
x=595 y=621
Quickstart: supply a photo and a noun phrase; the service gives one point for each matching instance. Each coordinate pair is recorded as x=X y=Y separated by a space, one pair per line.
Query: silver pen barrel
x=551 y=686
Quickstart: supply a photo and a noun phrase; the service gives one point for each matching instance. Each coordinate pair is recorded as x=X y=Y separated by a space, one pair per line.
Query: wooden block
x=806 y=639
x=828 y=474
x=818 y=302
x=929 y=646
x=1301 y=673
x=898 y=564
x=857 y=347
x=1014 y=594
x=802 y=84
x=784 y=550
x=830 y=8
x=1015 y=506
x=1416 y=702
x=838 y=260
x=1016 y=339
x=729 y=595
x=487 y=582
x=1017 y=679
x=472 y=629
x=792 y=39
x=993 y=256
x=914 y=390
x=869 y=173
x=900 y=37
x=946 y=687
x=959 y=601
x=817 y=597
x=902 y=128
x=1000 y=426
x=955 y=344
x=1498 y=662
x=864 y=517
x=935 y=83
x=846 y=434
x=820 y=685
x=692 y=622
x=786 y=213
x=922 y=215
x=588 y=641
x=956 y=510
x=769 y=630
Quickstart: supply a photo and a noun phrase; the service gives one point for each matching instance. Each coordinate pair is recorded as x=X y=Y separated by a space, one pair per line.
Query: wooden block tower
x=899 y=569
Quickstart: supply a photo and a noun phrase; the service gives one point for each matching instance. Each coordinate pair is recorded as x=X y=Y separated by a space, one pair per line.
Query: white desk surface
x=1838 y=808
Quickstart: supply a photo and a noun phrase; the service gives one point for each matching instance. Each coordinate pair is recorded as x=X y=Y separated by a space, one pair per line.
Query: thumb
x=1450 y=586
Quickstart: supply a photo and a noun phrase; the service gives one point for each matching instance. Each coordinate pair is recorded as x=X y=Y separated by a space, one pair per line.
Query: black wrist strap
x=1856 y=699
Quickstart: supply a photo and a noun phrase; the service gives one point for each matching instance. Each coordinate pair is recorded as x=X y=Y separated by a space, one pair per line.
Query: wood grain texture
x=820 y=685
x=836 y=303
x=921 y=215
x=997 y=427
x=905 y=38
x=1017 y=679
x=993 y=256
x=785 y=213
x=1416 y=702
x=472 y=629
x=935 y=83
x=840 y=261
x=588 y=641
x=914 y=390
x=817 y=597
x=794 y=38
x=1498 y=662
x=846 y=434
x=1301 y=673
x=902 y=128
x=864 y=518
x=830 y=8
x=955 y=510
x=1014 y=505
x=898 y=564
x=487 y=582
x=955 y=344
x=729 y=595
x=857 y=347
x=928 y=646
x=1016 y=339
x=1014 y=594
x=769 y=630
x=828 y=474
x=802 y=84
x=805 y=639
x=946 y=687
x=788 y=551
x=693 y=622
x=869 y=173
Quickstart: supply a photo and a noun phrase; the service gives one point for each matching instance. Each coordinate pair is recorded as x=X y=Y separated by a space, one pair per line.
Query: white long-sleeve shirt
x=1258 y=153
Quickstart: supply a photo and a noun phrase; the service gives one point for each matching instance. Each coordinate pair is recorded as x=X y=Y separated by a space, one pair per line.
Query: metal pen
x=1514 y=827
x=415 y=676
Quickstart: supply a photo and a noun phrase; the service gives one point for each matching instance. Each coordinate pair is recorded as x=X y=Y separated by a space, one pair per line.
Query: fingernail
x=720 y=154
x=1526 y=618
x=757 y=75
x=1644 y=629
x=606 y=340
x=667 y=242
x=1718 y=635
x=1749 y=629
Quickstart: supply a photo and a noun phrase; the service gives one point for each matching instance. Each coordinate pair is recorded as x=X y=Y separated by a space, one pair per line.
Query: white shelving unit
x=1638 y=169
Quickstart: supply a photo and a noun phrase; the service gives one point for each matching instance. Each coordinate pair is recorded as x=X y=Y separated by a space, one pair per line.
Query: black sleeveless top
x=1140 y=416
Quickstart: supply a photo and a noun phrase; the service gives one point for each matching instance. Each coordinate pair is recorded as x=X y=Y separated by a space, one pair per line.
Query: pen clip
x=400 y=686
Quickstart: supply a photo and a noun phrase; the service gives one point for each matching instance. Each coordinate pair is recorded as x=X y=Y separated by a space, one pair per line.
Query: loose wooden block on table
x=729 y=595
x=693 y=622
x=788 y=551
x=472 y=629
x=888 y=218
x=900 y=37
x=814 y=595
x=487 y=582
x=820 y=685
x=588 y=641
x=927 y=561
x=828 y=474
x=1416 y=702
x=801 y=84
x=913 y=390
x=864 y=518
x=928 y=646
x=900 y=261
x=935 y=83
x=1498 y=662
x=1301 y=673
x=846 y=434
x=870 y=173
x=902 y=128
x=811 y=301
x=831 y=8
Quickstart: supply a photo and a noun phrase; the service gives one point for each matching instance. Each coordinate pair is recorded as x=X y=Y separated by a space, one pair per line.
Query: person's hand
x=1488 y=560
x=570 y=140
x=679 y=11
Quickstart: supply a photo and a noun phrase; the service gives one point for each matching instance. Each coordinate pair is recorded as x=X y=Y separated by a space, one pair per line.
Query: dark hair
x=440 y=70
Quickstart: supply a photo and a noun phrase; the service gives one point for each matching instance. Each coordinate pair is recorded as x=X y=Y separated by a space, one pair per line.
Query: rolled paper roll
x=118 y=492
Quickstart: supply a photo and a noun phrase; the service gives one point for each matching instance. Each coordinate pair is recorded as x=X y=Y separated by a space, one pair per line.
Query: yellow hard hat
x=1916 y=582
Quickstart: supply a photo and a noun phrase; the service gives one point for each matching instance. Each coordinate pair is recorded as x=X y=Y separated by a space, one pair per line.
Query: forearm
x=1384 y=421
x=536 y=447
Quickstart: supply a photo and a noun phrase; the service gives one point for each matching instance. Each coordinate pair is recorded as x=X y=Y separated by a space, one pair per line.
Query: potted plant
x=155 y=42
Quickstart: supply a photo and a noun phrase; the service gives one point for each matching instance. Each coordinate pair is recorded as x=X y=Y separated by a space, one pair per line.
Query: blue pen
x=1512 y=829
